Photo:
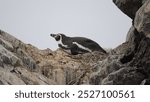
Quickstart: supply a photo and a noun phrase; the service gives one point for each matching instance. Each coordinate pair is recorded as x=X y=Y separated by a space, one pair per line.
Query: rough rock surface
x=25 y=64
x=129 y=63
x=129 y=7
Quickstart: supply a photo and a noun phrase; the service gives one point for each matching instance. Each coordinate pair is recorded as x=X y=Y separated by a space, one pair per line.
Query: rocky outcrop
x=129 y=63
x=129 y=7
x=132 y=64
x=137 y=54
x=142 y=19
x=16 y=64
x=25 y=64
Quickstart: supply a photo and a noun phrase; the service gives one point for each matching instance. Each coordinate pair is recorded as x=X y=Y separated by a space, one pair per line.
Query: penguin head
x=56 y=36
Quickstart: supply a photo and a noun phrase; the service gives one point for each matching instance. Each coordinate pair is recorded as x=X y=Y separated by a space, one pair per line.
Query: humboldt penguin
x=76 y=45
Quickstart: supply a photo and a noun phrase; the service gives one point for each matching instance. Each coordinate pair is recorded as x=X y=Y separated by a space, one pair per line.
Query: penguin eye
x=57 y=38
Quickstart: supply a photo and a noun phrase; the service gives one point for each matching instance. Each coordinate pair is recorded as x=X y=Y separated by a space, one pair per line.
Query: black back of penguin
x=82 y=42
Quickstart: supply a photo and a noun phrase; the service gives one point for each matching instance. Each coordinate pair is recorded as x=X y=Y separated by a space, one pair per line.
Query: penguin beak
x=53 y=35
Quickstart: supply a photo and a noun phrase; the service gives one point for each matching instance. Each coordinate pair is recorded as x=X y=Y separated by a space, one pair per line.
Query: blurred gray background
x=33 y=20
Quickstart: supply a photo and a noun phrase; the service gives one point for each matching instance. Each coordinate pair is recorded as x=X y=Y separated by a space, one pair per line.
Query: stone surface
x=29 y=65
x=142 y=19
x=137 y=54
x=129 y=7
x=16 y=64
x=131 y=35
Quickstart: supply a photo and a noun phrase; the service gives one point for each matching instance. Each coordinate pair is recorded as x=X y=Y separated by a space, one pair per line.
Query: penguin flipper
x=63 y=47
x=74 y=49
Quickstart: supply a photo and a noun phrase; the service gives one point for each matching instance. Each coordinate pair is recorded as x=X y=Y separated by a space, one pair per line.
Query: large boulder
x=129 y=7
x=138 y=38
x=142 y=19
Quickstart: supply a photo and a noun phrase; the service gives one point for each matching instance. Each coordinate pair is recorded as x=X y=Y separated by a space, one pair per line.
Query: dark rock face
x=128 y=64
x=129 y=7
x=133 y=64
x=137 y=55
x=142 y=57
x=142 y=19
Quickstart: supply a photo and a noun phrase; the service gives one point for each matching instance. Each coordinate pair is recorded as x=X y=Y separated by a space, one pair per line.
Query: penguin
x=76 y=45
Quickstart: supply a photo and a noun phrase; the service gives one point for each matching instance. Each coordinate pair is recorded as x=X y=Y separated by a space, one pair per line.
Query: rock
x=131 y=35
x=138 y=51
x=9 y=78
x=142 y=19
x=33 y=78
x=17 y=66
x=129 y=7
x=145 y=82
x=143 y=53
x=6 y=44
x=34 y=66
x=8 y=58
x=66 y=69
x=104 y=68
x=132 y=64
x=1 y=63
x=132 y=46
x=139 y=31
x=125 y=75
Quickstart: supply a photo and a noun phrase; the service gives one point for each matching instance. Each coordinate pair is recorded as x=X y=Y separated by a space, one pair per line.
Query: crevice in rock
x=1 y=83
x=142 y=56
x=1 y=32
x=130 y=53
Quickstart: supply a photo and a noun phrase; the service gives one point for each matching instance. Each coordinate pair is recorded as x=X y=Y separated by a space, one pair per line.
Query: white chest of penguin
x=60 y=42
x=66 y=46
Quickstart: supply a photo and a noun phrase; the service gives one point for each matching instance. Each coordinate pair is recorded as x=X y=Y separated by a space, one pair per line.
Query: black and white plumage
x=76 y=45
